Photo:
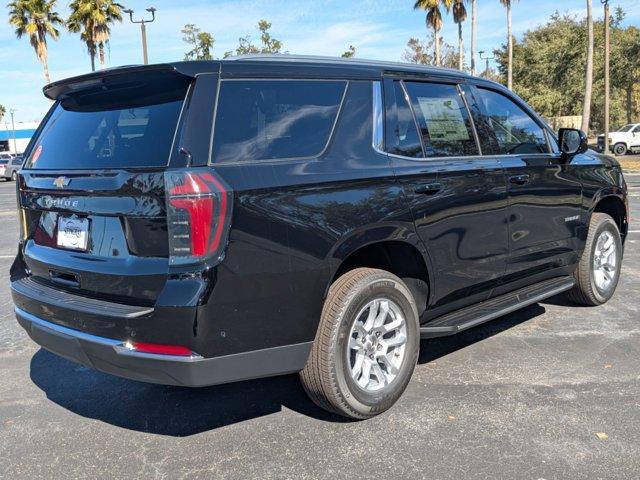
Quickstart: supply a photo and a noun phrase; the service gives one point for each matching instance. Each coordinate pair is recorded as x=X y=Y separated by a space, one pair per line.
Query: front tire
x=620 y=149
x=366 y=346
x=598 y=271
x=14 y=176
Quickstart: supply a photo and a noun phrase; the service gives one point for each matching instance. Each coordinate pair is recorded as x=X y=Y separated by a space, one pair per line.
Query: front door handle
x=519 y=179
x=428 y=188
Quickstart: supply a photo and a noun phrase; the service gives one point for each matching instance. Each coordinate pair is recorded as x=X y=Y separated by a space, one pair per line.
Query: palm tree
x=434 y=20
x=459 y=16
x=588 y=89
x=474 y=21
x=507 y=4
x=91 y=18
x=38 y=20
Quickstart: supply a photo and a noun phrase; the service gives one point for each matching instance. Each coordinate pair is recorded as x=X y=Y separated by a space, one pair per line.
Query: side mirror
x=572 y=141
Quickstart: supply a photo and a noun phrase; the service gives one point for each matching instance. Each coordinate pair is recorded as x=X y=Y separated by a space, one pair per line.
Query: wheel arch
x=613 y=205
x=404 y=256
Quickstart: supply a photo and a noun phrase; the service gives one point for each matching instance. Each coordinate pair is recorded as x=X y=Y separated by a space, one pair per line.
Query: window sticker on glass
x=444 y=119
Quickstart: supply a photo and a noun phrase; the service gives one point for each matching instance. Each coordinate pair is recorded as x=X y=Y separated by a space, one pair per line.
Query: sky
x=379 y=29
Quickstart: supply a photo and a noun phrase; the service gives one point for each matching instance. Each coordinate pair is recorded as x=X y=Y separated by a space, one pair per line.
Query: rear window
x=4 y=161
x=274 y=119
x=129 y=127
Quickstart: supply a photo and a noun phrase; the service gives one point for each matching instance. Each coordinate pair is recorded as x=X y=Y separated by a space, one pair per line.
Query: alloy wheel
x=377 y=344
x=605 y=261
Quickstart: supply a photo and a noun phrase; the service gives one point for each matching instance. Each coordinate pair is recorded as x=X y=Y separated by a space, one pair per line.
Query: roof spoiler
x=113 y=76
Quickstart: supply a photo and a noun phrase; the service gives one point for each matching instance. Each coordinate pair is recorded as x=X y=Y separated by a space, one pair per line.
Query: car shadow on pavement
x=180 y=412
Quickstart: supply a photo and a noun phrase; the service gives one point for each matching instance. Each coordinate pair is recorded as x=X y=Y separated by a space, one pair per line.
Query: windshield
x=626 y=128
x=128 y=127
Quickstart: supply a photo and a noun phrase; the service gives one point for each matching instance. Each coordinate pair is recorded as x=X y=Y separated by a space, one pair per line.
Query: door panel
x=459 y=203
x=545 y=212
x=545 y=194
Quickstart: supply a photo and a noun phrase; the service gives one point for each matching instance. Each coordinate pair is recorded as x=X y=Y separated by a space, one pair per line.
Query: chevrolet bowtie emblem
x=61 y=182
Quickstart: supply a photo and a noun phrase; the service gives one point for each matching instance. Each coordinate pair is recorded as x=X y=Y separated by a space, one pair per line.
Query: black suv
x=206 y=222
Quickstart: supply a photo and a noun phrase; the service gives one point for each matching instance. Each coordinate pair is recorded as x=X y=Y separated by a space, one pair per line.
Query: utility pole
x=487 y=58
x=13 y=128
x=607 y=86
x=473 y=37
x=143 y=29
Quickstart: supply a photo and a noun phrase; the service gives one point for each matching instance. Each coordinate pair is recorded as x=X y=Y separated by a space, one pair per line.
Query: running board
x=468 y=317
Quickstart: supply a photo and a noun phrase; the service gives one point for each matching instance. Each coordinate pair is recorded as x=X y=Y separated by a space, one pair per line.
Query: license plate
x=73 y=232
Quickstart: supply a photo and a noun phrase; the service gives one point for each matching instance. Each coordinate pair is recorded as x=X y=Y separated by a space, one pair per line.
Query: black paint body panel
x=294 y=222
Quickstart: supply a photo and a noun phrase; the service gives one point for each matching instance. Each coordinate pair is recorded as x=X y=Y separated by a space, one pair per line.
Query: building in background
x=23 y=133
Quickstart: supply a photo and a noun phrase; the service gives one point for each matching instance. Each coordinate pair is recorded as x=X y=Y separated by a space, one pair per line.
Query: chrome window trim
x=378 y=118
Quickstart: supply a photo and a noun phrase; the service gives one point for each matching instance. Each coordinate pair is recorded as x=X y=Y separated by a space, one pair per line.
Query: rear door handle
x=519 y=179
x=428 y=188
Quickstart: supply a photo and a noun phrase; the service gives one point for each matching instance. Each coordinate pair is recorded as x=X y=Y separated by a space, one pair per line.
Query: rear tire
x=368 y=314
x=598 y=271
x=620 y=149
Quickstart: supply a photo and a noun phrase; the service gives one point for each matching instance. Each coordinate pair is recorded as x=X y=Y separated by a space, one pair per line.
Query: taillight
x=198 y=215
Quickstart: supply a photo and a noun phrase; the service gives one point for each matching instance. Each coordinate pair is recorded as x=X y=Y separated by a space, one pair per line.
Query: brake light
x=159 y=349
x=198 y=215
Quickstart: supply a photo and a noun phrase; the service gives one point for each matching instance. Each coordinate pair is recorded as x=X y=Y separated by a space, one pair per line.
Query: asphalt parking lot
x=549 y=392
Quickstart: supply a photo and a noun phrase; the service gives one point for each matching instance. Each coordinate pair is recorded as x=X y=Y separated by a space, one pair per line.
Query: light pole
x=143 y=29
x=13 y=128
x=606 y=75
x=487 y=58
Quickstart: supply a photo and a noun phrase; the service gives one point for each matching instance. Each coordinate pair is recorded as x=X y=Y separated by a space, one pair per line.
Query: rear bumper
x=112 y=356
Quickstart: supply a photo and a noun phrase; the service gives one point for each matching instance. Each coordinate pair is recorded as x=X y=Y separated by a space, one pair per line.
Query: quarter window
x=406 y=139
x=443 y=120
x=506 y=129
x=274 y=119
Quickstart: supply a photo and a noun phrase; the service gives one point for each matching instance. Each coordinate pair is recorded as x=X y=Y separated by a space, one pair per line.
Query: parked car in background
x=5 y=159
x=198 y=223
x=626 y=139
x=12 y=167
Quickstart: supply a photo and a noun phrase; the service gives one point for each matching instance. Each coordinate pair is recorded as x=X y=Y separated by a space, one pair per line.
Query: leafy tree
x=417 y=51
x=245 y=46
x=92 y=19
x=460 y=16
x=434 y=21
x=201 y=43
x=350 y=53
x=269 y=44
x=507 y=4
x=549 y=65
x=38 y=20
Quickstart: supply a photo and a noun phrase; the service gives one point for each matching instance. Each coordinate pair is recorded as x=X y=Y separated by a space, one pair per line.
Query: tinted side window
x=406 y=141
x=637 y=129
x=443 y=120
x=505 y=129
x=274 y=119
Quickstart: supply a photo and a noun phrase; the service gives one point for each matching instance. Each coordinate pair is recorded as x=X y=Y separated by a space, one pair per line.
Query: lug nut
x=379 y=347
x=377 y=334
